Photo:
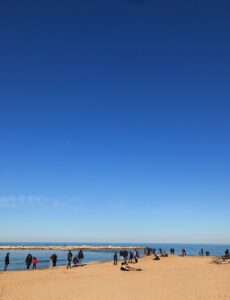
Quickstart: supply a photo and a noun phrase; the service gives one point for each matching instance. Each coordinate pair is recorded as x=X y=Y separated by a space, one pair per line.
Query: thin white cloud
x=30 y=201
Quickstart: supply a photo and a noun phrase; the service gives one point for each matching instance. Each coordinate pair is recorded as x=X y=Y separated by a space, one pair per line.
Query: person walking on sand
x=28 y=261
x=7 y=261
x=35 y=261
x=69 y=258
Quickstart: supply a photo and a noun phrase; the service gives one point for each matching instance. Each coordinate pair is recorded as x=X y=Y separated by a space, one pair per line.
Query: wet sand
x=171 y=278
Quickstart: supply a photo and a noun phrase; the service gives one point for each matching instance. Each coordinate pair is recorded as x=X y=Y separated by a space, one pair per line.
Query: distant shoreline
x=66 y=248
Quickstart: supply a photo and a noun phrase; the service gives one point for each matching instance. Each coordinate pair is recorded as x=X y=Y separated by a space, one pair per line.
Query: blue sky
x=114 y=121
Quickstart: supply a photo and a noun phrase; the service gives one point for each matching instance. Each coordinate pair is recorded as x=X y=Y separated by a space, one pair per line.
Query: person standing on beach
x=69 y=258
x=115 y=258
x=35 y=261
x=202 y=252
x=125 y=255
x=53 y=259
x=136 y=255
x=28 y=261
x=80 y=256
x=131 y=257
x=183 y=252
x=7 y=261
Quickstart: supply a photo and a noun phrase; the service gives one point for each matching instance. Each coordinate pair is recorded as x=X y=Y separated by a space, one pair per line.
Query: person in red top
x=35 y=261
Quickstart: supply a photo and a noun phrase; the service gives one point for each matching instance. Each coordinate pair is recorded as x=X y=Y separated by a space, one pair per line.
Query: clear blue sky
x=115 y=121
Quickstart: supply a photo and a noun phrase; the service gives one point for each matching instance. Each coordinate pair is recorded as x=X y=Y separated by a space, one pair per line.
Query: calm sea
x=17 y=257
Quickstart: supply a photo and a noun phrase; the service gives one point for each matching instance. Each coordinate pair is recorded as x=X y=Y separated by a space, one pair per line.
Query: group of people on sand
x=32 y=260
x=130 y=256
x=72 y=260
x=28 y=261
x=172 y=251
x=201 y=253
x=76 y=259
x=148 y=251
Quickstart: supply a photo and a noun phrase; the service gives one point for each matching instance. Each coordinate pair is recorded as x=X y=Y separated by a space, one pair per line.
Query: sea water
x=17 y=257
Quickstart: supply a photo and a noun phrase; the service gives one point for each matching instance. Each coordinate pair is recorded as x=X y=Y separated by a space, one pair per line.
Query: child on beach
x=35 y=261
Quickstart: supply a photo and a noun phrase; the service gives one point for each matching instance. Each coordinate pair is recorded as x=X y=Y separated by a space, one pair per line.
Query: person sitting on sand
x=126 y=267
x=75 y=260
x=164 y=254
x=156 y=257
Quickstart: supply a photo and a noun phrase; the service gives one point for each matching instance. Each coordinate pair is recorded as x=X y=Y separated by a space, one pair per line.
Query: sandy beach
x=172 y=278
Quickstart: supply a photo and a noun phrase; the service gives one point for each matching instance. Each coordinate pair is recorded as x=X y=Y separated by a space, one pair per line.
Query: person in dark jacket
x=69 y=258
x=131 y=257
x=136 y=255
x=28 y=261
x=115 y=258
x=80 y=256
x=125 y=255
x=7 y=261
x=53 y=259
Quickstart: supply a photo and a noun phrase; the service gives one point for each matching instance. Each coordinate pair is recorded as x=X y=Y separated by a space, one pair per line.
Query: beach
x=171 y=278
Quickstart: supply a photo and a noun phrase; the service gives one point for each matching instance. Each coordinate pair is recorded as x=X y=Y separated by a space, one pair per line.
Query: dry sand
x=172 y=278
